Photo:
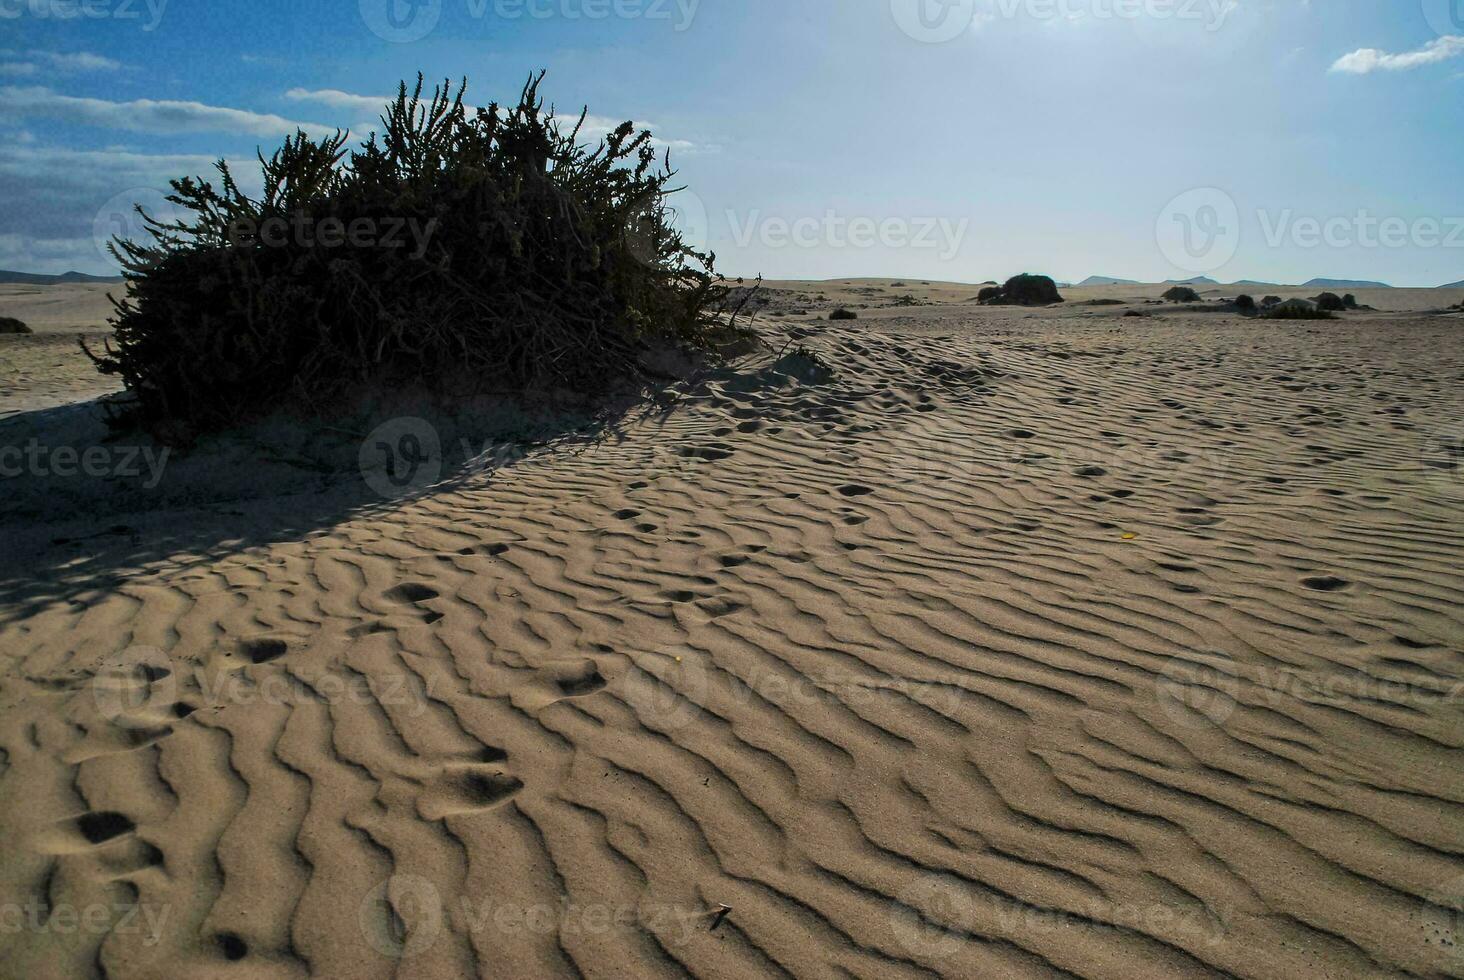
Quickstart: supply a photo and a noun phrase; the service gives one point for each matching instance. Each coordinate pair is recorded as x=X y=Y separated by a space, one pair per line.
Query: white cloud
x=1366 y=60
x=369 y=104
x=33 y=62
x=147 y=115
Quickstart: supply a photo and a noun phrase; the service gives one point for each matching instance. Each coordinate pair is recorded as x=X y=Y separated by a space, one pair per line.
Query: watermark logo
x=1362 y=229
x=933 y=21
x=1442 y=456
x=401 y=21
x=94 y=919
x=306 y=231
x=401 y=457
x=119 y=217
x=143 y=463
x=1195 y=692
x=404 y=21
x=1212 y=13
x=1199 y=231
x=670 y=698
x=928 y=916
x=832 y=230
x=401 y=918
x=1446 y=17
x=132 y=688
x=147 y=13
x=682 y=211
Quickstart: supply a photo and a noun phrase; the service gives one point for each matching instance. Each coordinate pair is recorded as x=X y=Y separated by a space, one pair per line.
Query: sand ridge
x=957 y=643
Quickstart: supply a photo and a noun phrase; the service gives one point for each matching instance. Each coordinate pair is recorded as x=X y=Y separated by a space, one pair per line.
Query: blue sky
x=1149 y=139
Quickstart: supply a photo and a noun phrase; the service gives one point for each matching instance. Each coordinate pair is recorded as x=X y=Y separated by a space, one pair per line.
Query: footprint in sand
x=558 y=681
x=466 y=789
x=84 y=832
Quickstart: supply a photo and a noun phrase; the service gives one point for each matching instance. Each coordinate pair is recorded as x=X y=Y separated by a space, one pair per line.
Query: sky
x=953 y=140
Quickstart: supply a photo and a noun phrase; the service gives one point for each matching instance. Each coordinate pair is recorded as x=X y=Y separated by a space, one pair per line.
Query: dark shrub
x=9 y=324
x=843 y=314
x=1349 y=301
x=1022 y=290
x=496 y=251
x=1181 y=294
x=1270 y=301
x=1295 y=311
x=1245 y=303
x=1330 y=302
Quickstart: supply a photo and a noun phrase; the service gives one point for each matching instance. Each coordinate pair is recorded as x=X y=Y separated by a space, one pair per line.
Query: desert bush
x=9 y=324
x=1349 y=301
x=1270 y=301
x=1181 y=294
x=1330 y=302
x=1245 y=303
x=1295 y=311
x=1022 y=290
x=843 y=314
x=534 y=261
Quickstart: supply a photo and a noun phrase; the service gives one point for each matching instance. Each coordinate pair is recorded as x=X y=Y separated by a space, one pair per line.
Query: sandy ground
x=952 y=641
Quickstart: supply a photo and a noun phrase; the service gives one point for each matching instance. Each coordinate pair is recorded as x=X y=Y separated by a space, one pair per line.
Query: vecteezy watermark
x=1212 y=14
x=836 y=231
x=1362 y=229
x=122 y=217
x=934 y=916
x=403 y=917
x=404 y=21
x=1442 y=456
x=933 y=21
x=1197 y=691
x=133 y=688
x=95 y=919
x=306 y=231
x=149 y=13
x=1446 y=17
x=1203 y=689
x=1199 y=231
x=63 y=462
x=401 y=457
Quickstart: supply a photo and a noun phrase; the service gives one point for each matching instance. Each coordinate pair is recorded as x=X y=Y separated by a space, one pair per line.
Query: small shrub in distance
x=1330 y=303
x=1290 y=311
x=1022 y=290
x=535 y=261
x=9 y=324
x=843 y=314
x=1349 y=301
x=1270 y=301
x=1245 y=303
x=1181 y=294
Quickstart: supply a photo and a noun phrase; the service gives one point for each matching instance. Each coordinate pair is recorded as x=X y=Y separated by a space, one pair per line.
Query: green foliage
x=494 y=248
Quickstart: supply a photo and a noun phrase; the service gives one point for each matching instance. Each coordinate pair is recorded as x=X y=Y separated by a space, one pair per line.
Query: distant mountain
x=1344 y=284
x=65 y=278
x=1107 y=281
x=1196 y=281
x=1454 y=285
x=1257 y=284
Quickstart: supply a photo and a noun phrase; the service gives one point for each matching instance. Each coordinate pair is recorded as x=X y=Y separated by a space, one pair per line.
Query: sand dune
x=1018 y=644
